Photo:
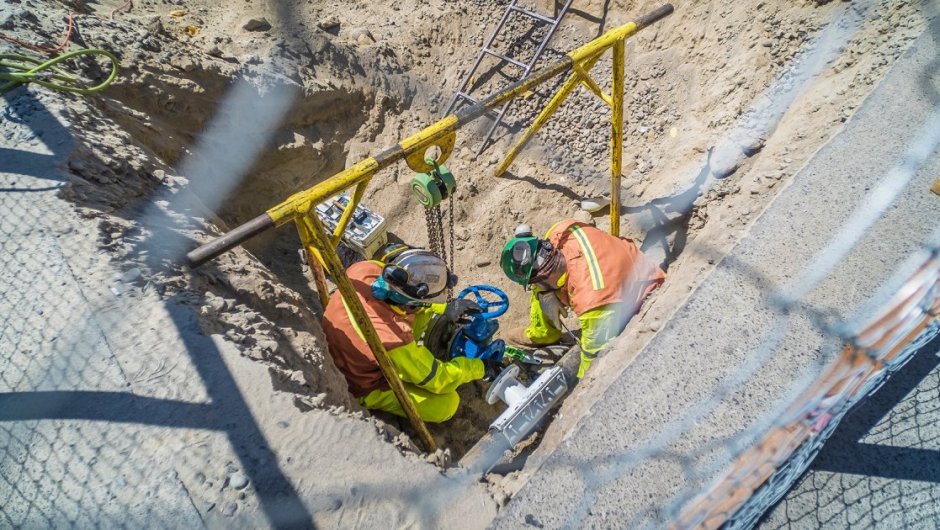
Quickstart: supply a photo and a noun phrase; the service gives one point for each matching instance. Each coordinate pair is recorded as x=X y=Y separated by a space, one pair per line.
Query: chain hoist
x=431 y=189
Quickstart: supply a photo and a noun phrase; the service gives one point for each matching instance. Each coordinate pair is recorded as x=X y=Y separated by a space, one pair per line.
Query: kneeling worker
x=399 y=293
x=603 y=278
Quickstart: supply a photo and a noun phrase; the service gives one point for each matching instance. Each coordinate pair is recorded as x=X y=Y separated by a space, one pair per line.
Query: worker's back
x=348 y=348
x=602 y=269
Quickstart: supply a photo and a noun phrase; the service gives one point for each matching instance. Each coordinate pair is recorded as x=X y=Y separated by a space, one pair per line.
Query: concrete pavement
x=674 y=419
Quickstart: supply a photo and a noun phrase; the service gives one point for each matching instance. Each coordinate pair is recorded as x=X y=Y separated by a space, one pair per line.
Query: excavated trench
x=312 y=144
x=322 y=133
x=333 y=125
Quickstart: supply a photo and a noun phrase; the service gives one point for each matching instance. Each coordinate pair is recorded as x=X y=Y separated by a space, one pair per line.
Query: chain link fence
x=765 y=472
x=115 y=409
x=849 y=484
x=58 y=368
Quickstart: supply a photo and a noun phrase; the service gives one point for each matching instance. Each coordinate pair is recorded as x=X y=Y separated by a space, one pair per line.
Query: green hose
x=21 y=69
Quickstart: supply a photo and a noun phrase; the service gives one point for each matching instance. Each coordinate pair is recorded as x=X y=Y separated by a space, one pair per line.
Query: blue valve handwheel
x=491 y=308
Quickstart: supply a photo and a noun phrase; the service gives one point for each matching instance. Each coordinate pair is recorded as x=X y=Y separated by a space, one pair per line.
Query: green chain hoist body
x=431 y=189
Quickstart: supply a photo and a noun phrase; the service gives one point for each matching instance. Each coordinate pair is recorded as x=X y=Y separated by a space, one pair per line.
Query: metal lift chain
x=451 y=257
x=434 y=217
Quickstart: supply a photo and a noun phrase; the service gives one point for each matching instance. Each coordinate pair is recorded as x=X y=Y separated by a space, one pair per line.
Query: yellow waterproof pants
x=433 y=408
x=598 y=327
x=540 y=330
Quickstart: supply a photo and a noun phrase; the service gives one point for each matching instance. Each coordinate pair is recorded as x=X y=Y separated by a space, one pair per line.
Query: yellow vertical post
x=321 y=241
x=616 y=139
x=314 y=260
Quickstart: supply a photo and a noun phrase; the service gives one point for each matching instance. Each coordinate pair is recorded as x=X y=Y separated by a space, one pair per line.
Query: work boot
x=517 y=337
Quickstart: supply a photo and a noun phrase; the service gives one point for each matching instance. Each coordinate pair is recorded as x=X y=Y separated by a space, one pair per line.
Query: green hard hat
x=518 y=258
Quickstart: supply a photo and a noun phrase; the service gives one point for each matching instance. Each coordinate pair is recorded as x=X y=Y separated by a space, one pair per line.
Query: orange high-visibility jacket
x=602 y=269
x=350 y=352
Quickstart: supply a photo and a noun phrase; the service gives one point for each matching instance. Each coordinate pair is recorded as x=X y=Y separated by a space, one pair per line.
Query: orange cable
x=35 y=47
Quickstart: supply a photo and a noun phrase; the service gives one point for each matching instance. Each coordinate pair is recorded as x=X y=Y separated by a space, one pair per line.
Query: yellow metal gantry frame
x=320 y=246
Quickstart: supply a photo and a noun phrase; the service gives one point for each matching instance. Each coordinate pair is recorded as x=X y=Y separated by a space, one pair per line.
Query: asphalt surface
x=881 y=468
x=673 y=420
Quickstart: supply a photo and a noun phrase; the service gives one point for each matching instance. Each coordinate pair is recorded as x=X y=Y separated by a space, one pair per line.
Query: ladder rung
x=504 y=58
x=467 y=97
x=473 y=101
x=536 y=16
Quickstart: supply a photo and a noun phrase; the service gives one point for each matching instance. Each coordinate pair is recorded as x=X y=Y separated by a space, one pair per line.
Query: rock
x=482 y=262
x=441 y=458
x=256 y=24
x=131 y=275
x=215 y=303
x=326 y=503
x=935 y=187
x=584 y=217
x=362 y=36
x=328 y=23
x=7 y=22
x=184 y=63
x=724 y=158
x=721 y=169
x=752 y=146
x=238 y=481
x=153 y=24
x=230 y=509
x=531 y=520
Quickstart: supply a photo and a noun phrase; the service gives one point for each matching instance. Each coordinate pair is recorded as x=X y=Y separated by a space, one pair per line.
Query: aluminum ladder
x=462 y=95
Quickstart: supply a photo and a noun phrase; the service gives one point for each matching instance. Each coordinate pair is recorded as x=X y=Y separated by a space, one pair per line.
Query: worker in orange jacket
x=602 y=278
x=400 y=293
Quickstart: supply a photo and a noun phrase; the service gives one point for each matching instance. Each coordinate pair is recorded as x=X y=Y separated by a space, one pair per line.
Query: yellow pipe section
x=314 y=261
x=301 y=202
x=616 y=138
x=589 y=83
x=320 y=240
x=348 y=212
x=544 y=116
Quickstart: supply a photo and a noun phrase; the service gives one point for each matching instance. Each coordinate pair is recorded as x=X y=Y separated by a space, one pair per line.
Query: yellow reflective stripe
x=597 y=279
x=352 y=320
x=550 y=230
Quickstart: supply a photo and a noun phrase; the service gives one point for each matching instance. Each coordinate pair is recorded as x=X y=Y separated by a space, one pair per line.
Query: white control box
x=366 y=231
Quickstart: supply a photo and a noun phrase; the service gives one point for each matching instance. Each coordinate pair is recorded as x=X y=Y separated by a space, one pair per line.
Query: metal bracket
x=417 y=159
